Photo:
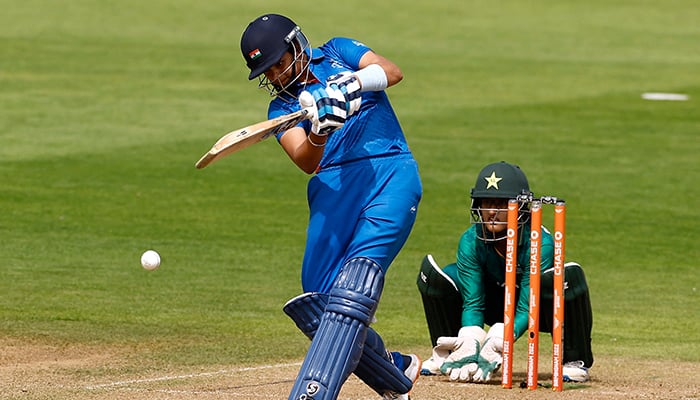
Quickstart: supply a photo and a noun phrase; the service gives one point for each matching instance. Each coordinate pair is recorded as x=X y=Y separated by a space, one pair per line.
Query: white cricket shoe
x=395 y=396
x=574 y=371
x=412 y=372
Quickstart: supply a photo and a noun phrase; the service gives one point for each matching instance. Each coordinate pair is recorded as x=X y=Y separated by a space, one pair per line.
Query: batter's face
x=494 y=214
x=280 y=73
x=287 y=69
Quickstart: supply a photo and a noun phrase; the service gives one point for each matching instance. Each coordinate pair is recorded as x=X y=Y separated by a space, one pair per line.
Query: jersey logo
x=337 y=65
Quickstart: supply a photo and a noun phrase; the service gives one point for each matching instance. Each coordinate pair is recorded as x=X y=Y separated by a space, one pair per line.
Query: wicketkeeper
x=363 y=199
x=464 y=297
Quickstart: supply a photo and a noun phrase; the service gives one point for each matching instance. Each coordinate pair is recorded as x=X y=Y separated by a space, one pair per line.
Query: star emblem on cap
x=492 y=181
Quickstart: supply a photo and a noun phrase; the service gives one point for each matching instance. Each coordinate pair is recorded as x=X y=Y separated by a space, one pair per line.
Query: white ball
x=150 y=260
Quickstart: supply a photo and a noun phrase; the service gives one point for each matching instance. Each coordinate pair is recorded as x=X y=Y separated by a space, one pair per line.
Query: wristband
x=308 y=137
x=373 y=78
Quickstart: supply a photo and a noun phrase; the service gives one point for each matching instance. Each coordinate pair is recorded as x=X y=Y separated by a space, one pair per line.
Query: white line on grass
x=199 y=375
x=665 y=96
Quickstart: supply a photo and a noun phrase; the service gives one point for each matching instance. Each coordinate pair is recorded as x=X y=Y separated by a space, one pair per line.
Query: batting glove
x=462 y=363
x=349 y=86
x=327 y=113
x=491 y=355
x=331 y=110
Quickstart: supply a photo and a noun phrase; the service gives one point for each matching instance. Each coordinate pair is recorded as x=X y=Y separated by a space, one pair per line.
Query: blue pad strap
x=375 y=368
x=337 y=345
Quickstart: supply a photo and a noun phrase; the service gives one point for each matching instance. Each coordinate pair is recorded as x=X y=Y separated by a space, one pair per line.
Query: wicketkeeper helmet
x=500 y=180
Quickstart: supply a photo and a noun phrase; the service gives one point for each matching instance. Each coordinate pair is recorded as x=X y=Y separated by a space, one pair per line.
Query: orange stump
x=558 y=323
x=509 y=301
x=533 y=339
x=535 y=289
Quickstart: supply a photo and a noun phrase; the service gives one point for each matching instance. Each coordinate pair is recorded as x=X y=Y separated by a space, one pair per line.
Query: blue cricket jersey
x=364 y=197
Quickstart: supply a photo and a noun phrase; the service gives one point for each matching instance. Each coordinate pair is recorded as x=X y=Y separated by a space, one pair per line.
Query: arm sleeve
x=471 y=278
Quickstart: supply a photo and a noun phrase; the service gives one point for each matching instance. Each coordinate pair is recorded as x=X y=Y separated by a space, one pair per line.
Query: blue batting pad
x=337 y=346
x=376 y=367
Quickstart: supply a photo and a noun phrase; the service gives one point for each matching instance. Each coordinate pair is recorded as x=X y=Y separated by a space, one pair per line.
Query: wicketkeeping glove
x=462 y=363
x=444 y=346
x=349 y=86
x=327 y=113
x=491 y=355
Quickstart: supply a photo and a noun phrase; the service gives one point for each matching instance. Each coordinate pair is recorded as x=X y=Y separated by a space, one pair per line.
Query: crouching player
x=463 y=297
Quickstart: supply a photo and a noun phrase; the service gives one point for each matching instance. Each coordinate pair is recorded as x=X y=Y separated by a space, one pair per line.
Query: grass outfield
x=104 y=108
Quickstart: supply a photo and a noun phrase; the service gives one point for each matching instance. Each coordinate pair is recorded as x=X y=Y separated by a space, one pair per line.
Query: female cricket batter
x=363 y=198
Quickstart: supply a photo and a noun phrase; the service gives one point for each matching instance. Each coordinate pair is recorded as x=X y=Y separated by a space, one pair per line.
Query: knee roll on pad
x=337 y=345
x=357 y=290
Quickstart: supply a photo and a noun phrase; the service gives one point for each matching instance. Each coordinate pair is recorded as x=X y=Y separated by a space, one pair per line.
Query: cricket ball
x=150 y=260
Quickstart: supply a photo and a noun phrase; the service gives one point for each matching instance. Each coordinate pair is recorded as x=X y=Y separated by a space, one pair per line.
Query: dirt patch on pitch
x=39 y=371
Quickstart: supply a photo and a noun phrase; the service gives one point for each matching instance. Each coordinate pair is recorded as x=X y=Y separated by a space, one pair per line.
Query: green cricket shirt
x=480 y=269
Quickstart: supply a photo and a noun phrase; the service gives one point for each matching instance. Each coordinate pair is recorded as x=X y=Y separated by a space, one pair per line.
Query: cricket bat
x=244 y=137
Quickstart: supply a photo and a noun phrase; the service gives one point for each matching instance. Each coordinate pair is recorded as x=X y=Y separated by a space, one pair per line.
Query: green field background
x=105 y=107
